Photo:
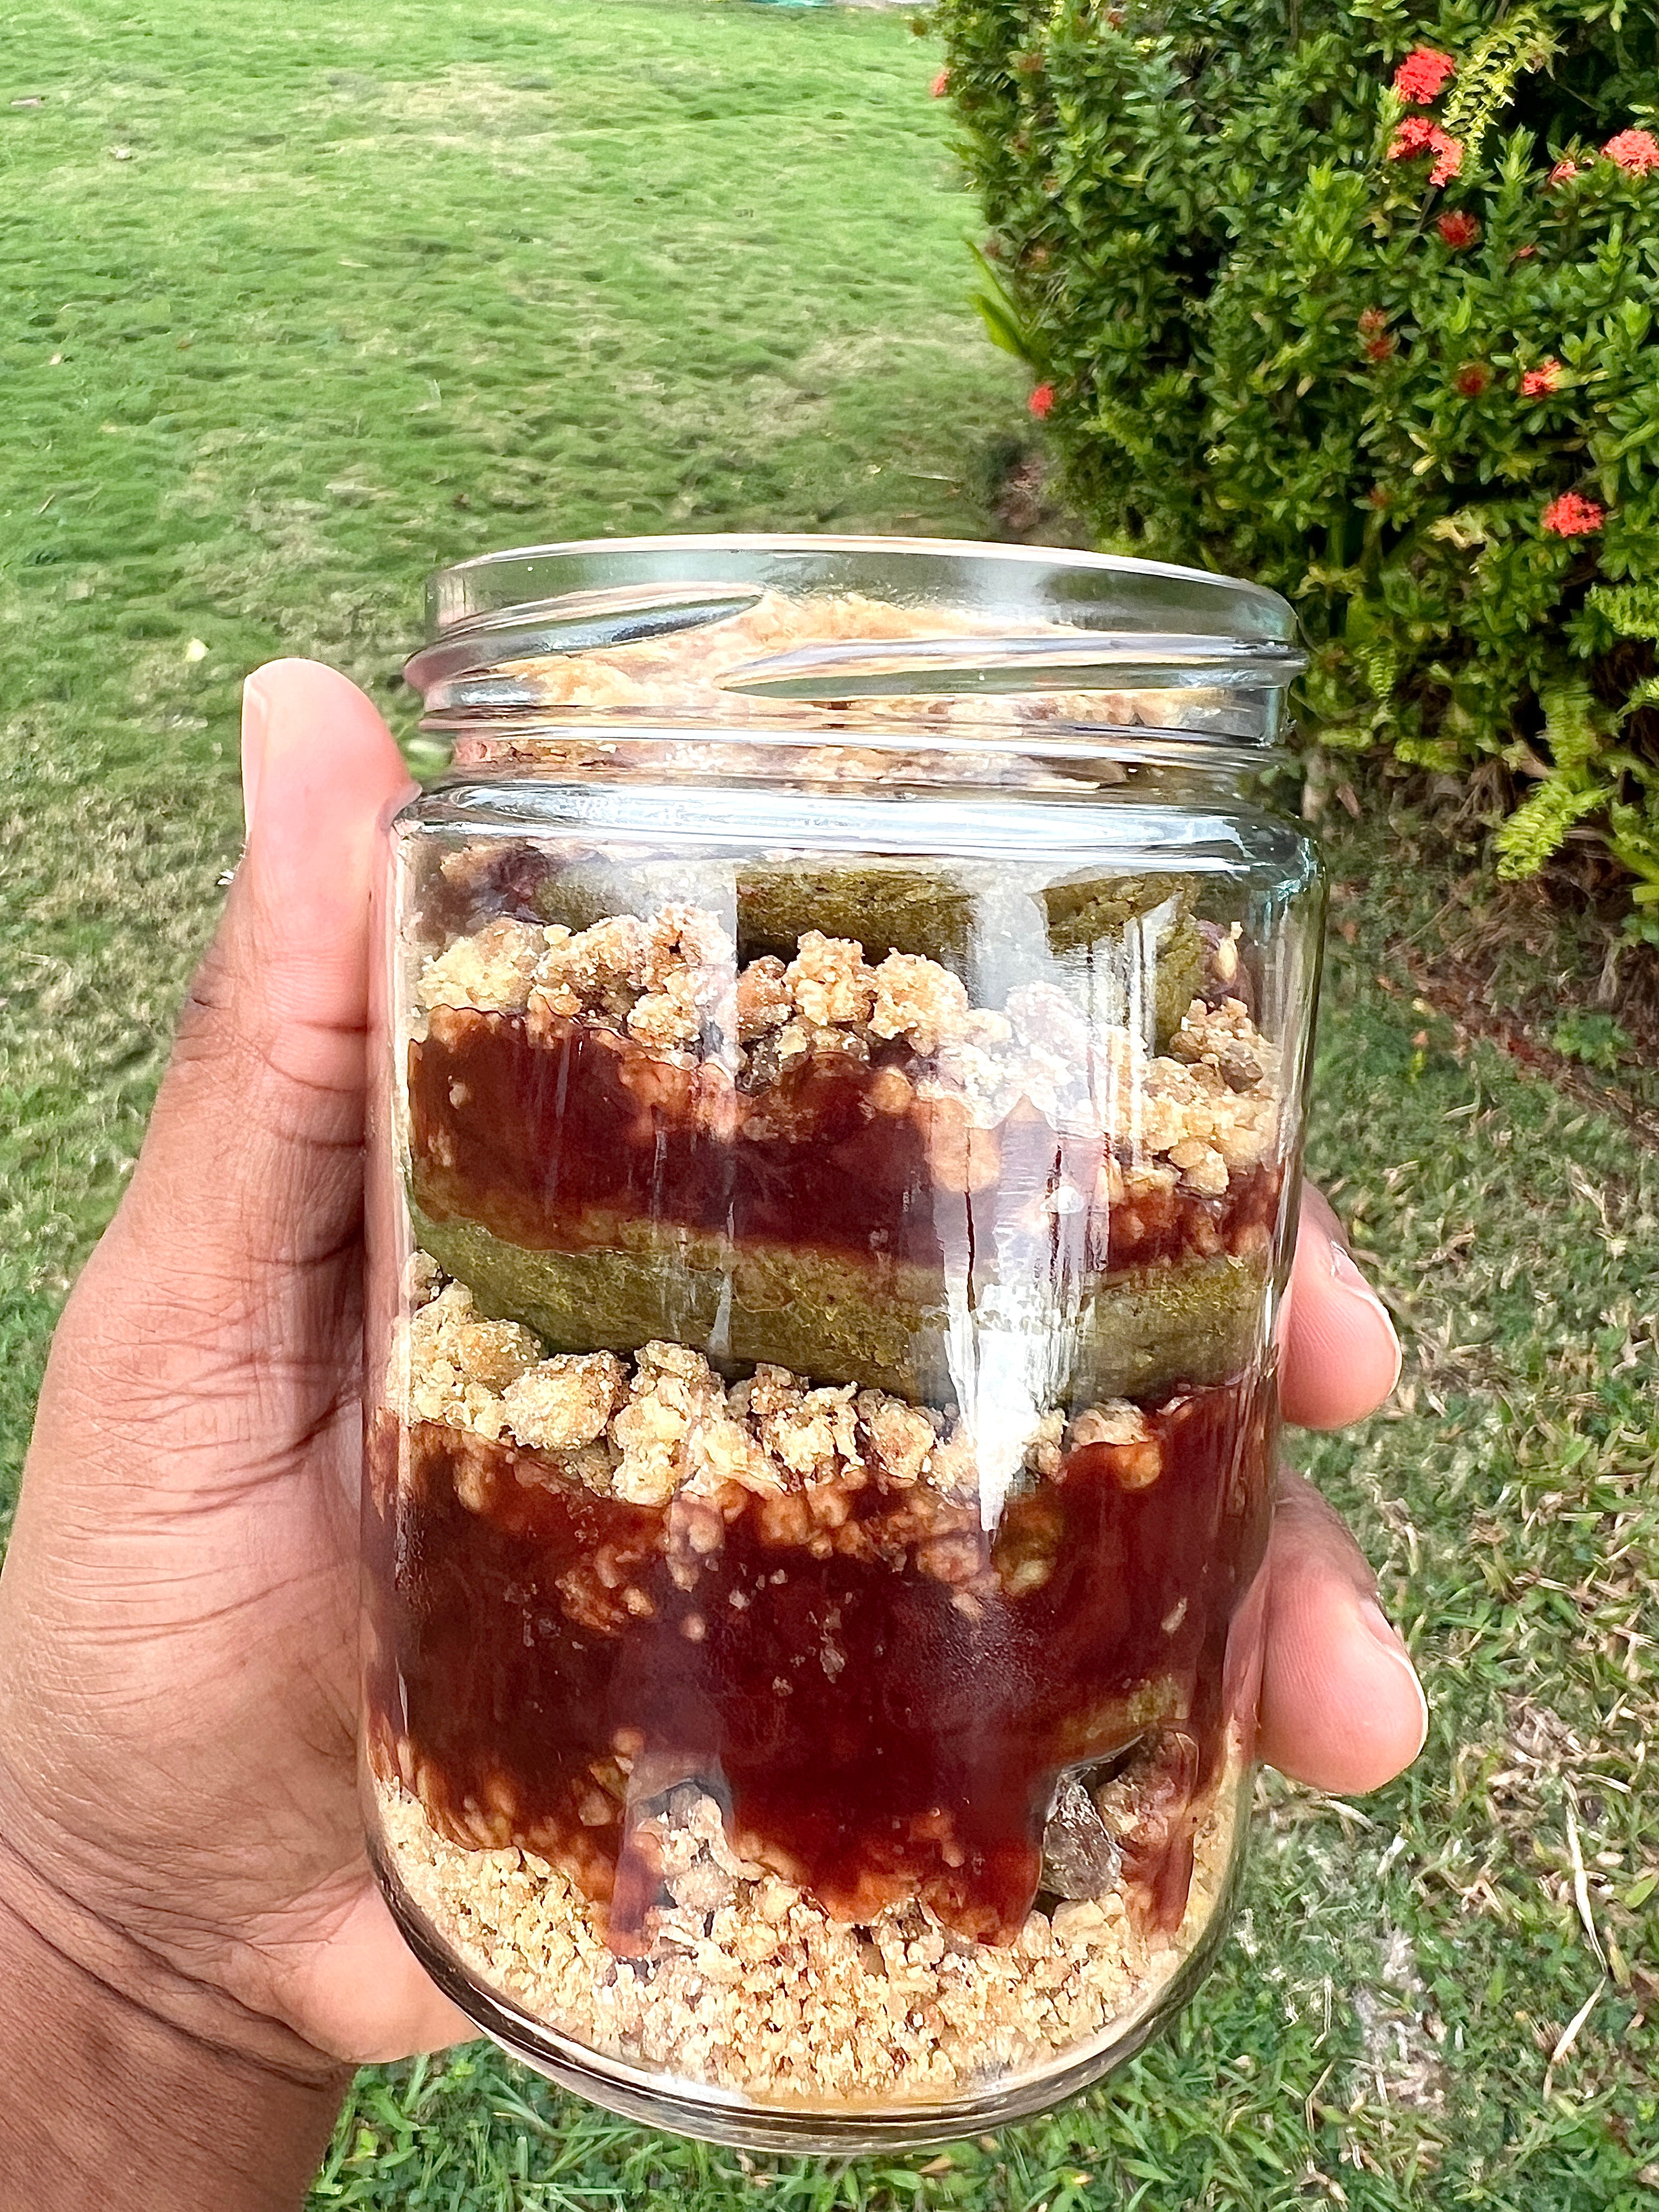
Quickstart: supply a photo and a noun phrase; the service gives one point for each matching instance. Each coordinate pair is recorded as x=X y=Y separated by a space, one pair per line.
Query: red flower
x=1041 y=401
x=1374 y=329
x=940 y=85
x=1423 y=75
x=1536 y=383
x=1448 y=159
x=1459 y=228
x=1564 y=171
x=1572 y=515
x=1473 y=378
x=1416 y=135
x=1526 y=254
x=1635 y=151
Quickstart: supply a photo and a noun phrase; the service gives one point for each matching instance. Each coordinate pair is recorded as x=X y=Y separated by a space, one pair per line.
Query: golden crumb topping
x=1205 y=1111
x=664 y=1425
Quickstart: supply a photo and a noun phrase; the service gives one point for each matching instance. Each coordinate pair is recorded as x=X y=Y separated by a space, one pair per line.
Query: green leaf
x=1001 y=326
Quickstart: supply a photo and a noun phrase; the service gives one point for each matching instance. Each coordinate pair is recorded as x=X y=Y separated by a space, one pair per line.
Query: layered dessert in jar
x=819 y=1461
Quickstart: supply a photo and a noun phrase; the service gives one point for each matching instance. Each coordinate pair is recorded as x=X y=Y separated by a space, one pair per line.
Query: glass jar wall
x=842 y=1034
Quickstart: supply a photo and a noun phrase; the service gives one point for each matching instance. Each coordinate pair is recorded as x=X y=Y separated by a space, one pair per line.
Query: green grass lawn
x=296 y=310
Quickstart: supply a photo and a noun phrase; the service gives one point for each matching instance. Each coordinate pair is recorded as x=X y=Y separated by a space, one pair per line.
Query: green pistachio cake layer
x=828 y=1315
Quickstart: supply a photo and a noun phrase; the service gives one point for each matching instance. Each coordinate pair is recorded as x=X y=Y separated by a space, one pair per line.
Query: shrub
x=1358 y=297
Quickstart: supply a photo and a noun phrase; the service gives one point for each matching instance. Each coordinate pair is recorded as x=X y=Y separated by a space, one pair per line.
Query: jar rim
x=456 y=592
x=1056 y=635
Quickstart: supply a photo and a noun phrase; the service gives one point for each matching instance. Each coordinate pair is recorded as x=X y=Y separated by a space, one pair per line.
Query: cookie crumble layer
x=664 y=1423
x=1208 y=1107
x=748 y=1984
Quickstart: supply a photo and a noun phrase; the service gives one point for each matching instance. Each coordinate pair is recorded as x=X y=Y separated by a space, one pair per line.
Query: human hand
x=1341 y=1706
x=190 y=1940
x=177 y=1610
x=178 y=1614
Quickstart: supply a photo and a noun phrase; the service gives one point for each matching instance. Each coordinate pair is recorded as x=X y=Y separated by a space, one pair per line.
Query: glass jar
x=841 y=1034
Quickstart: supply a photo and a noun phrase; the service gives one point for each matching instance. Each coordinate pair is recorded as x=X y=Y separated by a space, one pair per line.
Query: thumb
x=251 y=1158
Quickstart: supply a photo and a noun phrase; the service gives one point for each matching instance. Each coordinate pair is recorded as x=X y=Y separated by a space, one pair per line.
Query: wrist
x=117 y=2088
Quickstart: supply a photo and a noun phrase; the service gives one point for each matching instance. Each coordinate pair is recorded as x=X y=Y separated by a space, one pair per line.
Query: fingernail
x=1388 y=1638
x=1350 y=1279
x=256 y=714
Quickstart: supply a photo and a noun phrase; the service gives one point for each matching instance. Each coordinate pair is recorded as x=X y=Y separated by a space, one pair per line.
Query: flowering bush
x=1358 y=297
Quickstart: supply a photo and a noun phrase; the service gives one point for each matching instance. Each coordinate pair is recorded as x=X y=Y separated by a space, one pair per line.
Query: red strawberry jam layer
x=547 y=1133
x=883 y=1698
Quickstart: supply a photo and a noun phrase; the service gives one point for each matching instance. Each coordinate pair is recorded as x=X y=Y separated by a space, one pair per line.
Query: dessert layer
x=547 y=1127
x=689 y=668
x=846 y=1318
x=663 y=1422
x=944 y=911
x=787 y=1594
x=673 y=982
x=748 y=1984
